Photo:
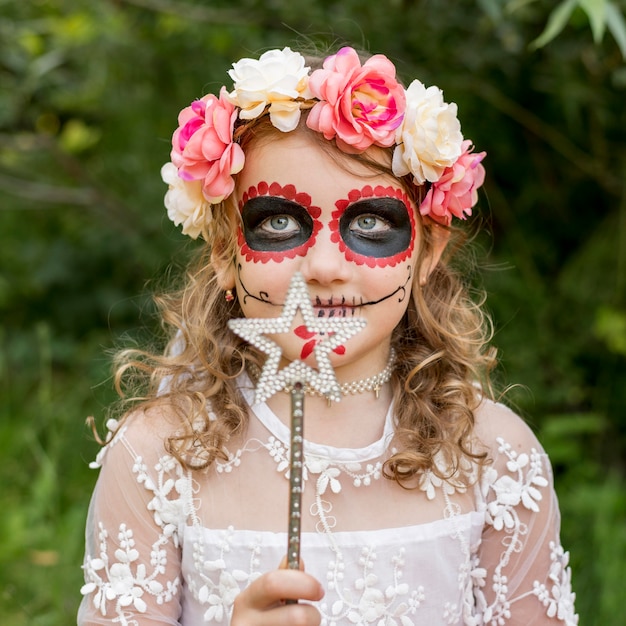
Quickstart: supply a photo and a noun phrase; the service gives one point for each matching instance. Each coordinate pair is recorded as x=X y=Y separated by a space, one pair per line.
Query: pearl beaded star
x=363 y=385
x=333 y=332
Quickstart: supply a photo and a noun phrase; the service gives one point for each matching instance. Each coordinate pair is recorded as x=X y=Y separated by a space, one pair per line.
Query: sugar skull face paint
x=374 y=226
x=278 y=223
x=353 y=234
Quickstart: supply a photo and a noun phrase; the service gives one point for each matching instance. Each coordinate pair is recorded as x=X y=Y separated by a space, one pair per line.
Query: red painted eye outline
x=379 y=191
x=288 y=192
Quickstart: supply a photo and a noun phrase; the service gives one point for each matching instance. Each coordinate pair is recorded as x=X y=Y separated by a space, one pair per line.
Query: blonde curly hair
x=441 y=372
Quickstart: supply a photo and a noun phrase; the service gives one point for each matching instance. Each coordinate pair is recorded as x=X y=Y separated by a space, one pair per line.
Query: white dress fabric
x=170 y=546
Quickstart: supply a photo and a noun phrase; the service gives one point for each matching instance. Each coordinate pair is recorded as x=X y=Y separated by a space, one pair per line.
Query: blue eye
x=377 y=227
x=273 y=224
x=279 y=224
x=369 y=224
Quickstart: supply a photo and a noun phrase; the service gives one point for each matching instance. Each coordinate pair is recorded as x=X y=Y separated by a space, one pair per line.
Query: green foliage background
x=89 y=93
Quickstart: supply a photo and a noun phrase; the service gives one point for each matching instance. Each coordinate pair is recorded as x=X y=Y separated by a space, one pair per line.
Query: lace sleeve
x=132 y=556
x=524 y=575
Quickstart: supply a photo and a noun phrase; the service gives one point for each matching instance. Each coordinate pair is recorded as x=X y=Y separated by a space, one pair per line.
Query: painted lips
x=334 y=307
x=334 y=311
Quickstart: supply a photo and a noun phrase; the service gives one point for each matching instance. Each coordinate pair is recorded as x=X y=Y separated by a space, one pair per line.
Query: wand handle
x=295 y=475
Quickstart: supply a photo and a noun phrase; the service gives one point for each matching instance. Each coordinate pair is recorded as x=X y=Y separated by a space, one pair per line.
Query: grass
x=45 y=448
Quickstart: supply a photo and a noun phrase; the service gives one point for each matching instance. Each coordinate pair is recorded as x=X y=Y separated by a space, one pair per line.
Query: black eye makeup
x=275 y=224
x=376 y=227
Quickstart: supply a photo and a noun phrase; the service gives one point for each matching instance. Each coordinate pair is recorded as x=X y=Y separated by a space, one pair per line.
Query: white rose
x=429 y=138
x=184 y=202
x=278 y=78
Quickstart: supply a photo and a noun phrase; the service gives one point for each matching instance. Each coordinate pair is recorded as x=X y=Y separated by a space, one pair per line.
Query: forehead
x=299 y=160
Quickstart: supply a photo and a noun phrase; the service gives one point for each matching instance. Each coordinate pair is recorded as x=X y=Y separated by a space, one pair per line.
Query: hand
x=263 y=602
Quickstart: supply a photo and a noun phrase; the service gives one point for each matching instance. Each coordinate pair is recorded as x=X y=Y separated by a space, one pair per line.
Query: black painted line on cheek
x=401 y=289
x=262 y=297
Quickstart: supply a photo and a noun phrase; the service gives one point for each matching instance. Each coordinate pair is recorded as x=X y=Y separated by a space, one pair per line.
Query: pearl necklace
x=364 y=385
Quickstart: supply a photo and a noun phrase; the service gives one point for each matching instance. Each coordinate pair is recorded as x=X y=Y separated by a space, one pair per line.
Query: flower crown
x=357 y=105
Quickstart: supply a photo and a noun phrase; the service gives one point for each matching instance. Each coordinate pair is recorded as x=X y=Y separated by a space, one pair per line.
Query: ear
x=224 y=271
x=439 y=238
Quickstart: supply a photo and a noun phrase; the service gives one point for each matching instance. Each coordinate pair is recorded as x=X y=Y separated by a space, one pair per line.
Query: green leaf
x=617 y=26
x=556 y=23
x=610 y=327
x=596 y=12
x=77 y=137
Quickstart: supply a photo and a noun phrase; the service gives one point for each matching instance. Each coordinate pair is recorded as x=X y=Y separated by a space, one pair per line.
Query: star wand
x=297 y=378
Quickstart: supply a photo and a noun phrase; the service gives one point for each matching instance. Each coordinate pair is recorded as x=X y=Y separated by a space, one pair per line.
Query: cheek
x=258 y=289
x=390 y=288
x=260 y=285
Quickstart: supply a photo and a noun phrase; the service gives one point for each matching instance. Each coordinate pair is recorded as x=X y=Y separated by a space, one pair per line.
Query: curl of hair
x=442 y=374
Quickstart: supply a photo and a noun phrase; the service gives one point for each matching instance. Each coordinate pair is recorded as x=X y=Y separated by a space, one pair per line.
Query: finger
x=283 y=615
x=280 y=585
x=262 y=603
x=290 y=614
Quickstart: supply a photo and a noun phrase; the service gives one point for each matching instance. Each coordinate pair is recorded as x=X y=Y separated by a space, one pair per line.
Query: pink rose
x=456 y=192
x=359 y=105
x=203 y=148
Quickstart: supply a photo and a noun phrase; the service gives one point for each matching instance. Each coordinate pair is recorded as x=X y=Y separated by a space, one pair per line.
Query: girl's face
x=354 y=236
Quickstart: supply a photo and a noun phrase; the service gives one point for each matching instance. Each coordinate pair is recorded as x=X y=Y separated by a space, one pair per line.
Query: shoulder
x=155 y=422
x=141 y=434
x=518 y=468
x=496 y=424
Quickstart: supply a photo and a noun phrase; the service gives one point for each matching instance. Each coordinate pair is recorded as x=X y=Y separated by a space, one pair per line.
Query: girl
x=424 y=502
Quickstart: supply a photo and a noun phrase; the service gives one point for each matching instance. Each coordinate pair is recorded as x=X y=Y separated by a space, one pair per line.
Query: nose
x=324 y=263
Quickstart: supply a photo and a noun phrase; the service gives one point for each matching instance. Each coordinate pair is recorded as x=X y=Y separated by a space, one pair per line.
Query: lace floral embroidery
x=327 y=470
x=514 y=492
x=112 y=437
x=558 y=599
x=126 y=580
x=368 y=601
x=123 y=577
x=429 y=482
x=219 y=596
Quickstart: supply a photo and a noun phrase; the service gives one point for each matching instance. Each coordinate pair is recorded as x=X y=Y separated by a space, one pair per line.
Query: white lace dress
x=167 y=546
